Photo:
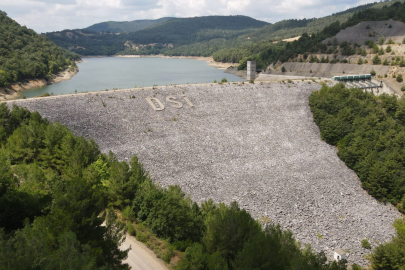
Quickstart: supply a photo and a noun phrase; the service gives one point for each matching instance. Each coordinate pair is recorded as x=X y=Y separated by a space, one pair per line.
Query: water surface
x=97 y=74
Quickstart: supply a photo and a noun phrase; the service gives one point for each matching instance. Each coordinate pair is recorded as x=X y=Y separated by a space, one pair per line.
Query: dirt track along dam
x=255 y=144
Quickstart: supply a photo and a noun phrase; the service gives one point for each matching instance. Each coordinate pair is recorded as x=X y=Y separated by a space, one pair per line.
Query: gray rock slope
x=255 y=144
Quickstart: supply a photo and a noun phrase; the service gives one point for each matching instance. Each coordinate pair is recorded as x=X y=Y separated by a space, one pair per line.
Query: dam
x=256 y=144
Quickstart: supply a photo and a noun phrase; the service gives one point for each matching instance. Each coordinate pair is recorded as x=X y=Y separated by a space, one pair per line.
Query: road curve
x=140 y=257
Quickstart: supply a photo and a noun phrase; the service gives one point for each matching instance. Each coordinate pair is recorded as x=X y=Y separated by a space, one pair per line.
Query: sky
x=55 y=15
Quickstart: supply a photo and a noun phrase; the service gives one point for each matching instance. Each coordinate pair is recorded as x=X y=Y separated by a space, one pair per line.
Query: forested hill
x=25 y=54
x=183 y=30
x=266 y=52
x=120 y=27
x=158 y=38
x=292 y=28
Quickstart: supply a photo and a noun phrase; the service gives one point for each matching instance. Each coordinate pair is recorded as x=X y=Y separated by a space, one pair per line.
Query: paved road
x=140 y=257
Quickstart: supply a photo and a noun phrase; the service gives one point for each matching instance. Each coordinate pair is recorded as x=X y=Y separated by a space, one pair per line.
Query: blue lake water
x=97 y=74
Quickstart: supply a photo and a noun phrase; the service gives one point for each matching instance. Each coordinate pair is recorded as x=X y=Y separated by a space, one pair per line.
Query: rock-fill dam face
x=250 y=143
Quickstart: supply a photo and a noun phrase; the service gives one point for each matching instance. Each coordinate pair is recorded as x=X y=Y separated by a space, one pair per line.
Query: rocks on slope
x=255 y=144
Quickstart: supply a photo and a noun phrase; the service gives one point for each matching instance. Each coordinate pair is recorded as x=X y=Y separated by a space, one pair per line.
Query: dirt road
x=140 y=257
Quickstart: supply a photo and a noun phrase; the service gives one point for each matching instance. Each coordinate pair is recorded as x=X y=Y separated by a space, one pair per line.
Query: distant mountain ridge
x=128 y=26
x=153 y=39
x=197 y=36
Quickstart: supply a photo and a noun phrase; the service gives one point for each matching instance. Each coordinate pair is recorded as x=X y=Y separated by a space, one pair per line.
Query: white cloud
x=54 y=15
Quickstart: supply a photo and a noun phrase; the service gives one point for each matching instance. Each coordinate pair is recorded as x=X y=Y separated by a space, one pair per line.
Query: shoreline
x=16 y=89
x=208 y=59
x=96 y=93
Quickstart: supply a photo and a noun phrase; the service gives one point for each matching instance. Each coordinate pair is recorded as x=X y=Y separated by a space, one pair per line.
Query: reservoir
x=96 y=74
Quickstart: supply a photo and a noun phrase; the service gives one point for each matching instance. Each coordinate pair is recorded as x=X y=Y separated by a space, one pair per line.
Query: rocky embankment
x=255 y=144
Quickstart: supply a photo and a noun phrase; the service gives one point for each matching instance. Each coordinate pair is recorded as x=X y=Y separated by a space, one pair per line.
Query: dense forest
x=24 y=54
x=56 y=190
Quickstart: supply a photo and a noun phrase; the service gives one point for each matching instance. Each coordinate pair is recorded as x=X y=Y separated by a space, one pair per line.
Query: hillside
x=120 y=27
x=291 y=28
x=228 y=38
x=372 y=30
x=313 y=48
x=199 y=36
x=157 y=38
x=24 y=54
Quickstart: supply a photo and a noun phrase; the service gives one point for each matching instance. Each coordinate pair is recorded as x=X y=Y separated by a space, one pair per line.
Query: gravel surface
x=140 y=257
x=256 y=144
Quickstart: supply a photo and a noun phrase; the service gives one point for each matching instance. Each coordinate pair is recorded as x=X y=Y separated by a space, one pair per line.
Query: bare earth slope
x=372 y=30
x=256 y=144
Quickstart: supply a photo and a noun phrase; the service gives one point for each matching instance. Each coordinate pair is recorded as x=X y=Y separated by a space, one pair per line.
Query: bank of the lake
x=209 y=59
x=16 y=90
x=111 y=73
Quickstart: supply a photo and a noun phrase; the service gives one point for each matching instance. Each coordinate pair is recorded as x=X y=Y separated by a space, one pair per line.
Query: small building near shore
x=251 y=70
x=339 y=255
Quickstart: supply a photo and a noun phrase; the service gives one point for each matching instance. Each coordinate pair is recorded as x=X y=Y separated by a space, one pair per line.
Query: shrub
x=215 y=81
x=376 y=60
x=372 y=72
x=399 y=78
x=128 y=214
x=403 y=41
x=168 y=254
x=389 y=49
x=142 y=237
x=381 y=41
x=386 y=63
x=361 y=51
x=390 y=41
x=368 y=26
x=403 y=88
x=46 y=94
x=24 y=97
x=375 y=49
x=365 y=244
x=369 y=43
x=131 y=230
x=224 y=80
x=283 y=69
x=360 y=62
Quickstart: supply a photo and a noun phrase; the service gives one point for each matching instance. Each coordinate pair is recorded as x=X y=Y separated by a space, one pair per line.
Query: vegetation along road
x=140 y=257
